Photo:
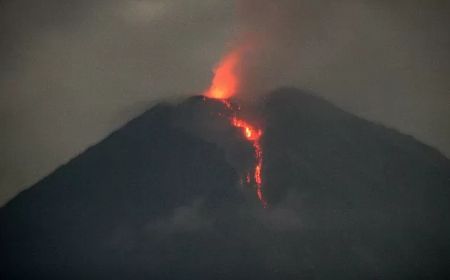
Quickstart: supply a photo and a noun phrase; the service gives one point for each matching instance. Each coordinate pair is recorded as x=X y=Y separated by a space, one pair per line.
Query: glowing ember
x=224 y=85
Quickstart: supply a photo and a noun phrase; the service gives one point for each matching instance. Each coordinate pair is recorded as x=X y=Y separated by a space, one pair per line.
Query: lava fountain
x=224 y=85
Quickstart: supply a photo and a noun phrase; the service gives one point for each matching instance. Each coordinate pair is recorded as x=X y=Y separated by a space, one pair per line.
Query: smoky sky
x=73 y=71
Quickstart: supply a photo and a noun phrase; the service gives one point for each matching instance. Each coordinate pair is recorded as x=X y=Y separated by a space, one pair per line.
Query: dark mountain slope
x=383 y=192
x=160 y=199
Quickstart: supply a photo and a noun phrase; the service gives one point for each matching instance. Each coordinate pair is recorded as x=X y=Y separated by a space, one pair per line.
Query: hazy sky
x=73 y=71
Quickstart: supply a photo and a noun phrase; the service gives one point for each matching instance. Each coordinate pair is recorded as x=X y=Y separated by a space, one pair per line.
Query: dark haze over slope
x=160 y=199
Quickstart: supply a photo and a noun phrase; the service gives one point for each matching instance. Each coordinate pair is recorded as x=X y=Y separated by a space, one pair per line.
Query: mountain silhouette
x=161 y=198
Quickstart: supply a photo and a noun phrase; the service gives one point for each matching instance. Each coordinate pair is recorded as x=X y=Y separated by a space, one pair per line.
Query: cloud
x=142 y=11
x=383 y=60
x=282 y=219
x=188 y=218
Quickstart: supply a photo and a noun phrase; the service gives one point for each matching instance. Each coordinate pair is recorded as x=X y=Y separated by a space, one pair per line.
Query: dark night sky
x=73 y=71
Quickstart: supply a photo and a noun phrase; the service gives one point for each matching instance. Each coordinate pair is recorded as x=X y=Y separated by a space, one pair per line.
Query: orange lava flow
x=224 y=85
x=253 y=135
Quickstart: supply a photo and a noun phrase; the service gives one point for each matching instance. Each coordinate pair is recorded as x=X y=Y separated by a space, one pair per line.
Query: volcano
x=163 y=198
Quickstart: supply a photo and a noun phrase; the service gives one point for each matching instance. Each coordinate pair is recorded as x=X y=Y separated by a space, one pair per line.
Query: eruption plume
x=225 y=85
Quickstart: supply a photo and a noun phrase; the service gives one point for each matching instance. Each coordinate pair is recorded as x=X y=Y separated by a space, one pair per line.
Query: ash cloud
x=383 y=60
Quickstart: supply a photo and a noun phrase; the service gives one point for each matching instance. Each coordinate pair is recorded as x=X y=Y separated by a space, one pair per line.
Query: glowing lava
x=225 y=82
x=224 y=85
x=253 y=135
